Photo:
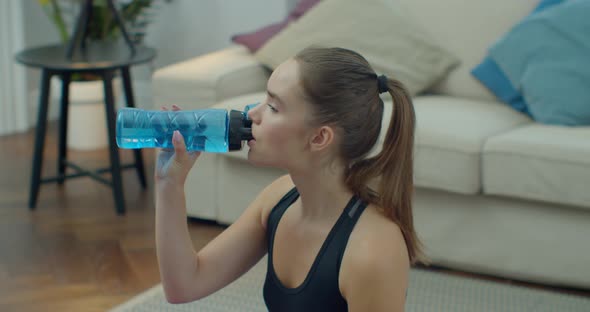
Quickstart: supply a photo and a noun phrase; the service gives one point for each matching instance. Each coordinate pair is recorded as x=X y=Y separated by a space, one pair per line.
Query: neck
x=323 y=193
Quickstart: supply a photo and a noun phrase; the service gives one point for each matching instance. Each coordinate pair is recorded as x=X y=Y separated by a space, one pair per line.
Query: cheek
x=279 y=142
x=283 y=137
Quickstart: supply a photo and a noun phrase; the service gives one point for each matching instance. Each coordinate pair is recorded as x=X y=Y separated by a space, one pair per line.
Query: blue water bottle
x=208 y=130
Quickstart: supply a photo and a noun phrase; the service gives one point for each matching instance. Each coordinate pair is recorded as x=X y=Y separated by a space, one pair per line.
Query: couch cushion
x=450 y=134
x=467 y=29
x=540 y=162
x=203 y=81
x=492 y=77
x=393 y=44
x=546 y=58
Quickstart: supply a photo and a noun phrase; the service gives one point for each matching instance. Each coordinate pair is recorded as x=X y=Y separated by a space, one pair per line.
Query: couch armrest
x=207 y=79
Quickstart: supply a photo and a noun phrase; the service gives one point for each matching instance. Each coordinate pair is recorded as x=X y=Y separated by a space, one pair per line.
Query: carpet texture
x=428 y=291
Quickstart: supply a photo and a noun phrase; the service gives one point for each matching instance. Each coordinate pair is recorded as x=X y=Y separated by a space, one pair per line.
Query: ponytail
x=343 y=90
x=392 y=168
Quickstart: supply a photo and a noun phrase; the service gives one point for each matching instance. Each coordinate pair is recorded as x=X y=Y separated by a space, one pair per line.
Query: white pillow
x=393 y=45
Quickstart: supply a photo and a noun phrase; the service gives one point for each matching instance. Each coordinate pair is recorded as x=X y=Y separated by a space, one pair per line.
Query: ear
x=322 y=138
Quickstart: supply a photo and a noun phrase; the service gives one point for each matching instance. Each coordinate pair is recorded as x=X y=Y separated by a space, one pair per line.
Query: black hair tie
x=382 y=84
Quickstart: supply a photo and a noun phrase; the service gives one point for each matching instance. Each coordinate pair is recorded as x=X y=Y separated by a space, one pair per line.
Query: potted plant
x=136 y=15
x=86 y=97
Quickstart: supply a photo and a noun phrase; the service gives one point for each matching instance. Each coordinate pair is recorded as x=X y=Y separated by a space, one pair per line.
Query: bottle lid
x=240 y=129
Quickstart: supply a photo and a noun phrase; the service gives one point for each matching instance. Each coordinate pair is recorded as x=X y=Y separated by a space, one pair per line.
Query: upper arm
x=239 y=247
x=378 y=273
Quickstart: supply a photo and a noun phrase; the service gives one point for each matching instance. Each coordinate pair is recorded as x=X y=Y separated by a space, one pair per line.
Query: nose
x=254 y=115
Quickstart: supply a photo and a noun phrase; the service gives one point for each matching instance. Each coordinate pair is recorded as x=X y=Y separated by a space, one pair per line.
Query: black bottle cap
x=246 y=133
x=240 y=129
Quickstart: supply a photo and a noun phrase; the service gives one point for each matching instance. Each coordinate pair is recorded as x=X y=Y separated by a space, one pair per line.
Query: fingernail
x=175 y=136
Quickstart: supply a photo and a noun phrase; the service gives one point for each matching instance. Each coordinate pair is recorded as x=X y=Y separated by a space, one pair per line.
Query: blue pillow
x=492 y=77
x=547 y=58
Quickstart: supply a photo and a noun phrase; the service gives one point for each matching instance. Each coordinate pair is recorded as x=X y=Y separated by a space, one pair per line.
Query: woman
x=333 y=243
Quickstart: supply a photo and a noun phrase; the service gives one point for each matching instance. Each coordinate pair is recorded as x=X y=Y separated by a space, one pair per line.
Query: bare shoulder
x=272 y=194
x=376 y=254
x=376 y=231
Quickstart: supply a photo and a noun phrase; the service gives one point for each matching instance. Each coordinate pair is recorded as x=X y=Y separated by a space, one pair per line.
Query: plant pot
x=87 y=127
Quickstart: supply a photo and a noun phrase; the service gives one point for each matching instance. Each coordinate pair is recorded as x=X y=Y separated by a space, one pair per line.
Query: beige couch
x=496 y=192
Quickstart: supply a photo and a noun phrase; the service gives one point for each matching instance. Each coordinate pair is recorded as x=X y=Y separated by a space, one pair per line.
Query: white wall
x=13 y=110
x=187 y=28
x=35 y=29
x=23 y=24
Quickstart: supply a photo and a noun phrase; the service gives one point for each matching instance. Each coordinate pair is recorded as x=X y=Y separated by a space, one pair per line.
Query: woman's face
x=281 y=133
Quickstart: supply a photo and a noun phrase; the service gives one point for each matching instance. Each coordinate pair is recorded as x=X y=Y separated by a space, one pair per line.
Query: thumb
x=179 y=146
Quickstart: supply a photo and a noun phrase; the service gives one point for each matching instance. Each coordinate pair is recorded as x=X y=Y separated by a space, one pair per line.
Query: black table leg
x=40 y=137
x=63 y=127
x=130 y=100
x=113 y=149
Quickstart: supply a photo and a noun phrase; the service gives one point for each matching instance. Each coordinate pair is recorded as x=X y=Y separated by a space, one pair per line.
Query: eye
x=272 y=108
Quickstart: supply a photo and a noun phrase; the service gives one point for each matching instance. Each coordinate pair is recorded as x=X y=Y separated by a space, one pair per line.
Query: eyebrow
x=274 y=96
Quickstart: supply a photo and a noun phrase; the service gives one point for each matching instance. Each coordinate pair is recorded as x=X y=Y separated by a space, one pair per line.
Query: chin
x=254 y=159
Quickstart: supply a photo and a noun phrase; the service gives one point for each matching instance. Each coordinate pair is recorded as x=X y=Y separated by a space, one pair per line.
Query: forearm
x=176 y=256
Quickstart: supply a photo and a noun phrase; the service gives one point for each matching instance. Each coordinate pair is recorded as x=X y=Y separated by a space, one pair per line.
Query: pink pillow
x=254 y=40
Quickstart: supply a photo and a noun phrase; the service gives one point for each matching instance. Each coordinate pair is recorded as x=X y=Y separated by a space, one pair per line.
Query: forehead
x=284 y=80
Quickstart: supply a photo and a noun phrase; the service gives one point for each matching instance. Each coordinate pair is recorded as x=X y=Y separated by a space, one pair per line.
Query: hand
x=173 y=165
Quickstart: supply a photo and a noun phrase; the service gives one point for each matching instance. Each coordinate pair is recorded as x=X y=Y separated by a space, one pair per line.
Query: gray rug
x=428 y=291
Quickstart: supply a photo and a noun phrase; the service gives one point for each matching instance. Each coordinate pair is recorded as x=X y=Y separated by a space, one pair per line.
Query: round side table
x=104 y=60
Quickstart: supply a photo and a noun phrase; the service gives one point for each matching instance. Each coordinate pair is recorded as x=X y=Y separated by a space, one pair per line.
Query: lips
x=253 y=136
x=252 y=141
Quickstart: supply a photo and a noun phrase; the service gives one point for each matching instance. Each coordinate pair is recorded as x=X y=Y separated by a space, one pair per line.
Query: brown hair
x=343 y=90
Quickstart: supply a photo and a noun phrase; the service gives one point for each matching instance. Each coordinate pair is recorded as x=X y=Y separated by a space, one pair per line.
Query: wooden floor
x=73 y=253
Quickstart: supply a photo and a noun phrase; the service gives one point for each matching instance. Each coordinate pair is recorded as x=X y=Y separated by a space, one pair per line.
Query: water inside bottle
x=203 y=130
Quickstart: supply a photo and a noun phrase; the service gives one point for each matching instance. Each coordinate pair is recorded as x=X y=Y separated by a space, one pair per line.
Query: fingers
x=180 y=149
x=174 y=138
x=174 y=108
x=178 y=142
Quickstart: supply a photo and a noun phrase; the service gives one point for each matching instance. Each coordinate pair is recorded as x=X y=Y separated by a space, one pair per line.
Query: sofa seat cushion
x=540 y=162
x=450 y=135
